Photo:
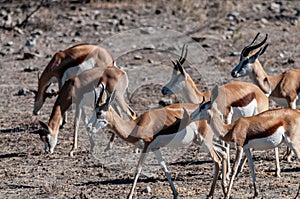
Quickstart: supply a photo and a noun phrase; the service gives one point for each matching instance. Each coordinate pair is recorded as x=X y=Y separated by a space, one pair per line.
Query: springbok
x=67 y=64
x=163 y=127
x=264 y=131
x=239 y=99
x=285 y=87
x=79 y=91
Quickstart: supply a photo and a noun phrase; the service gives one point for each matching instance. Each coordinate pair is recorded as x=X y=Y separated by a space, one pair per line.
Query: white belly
x=246 y=111
x=266 y=143
x=76 y=70
x=179 y=139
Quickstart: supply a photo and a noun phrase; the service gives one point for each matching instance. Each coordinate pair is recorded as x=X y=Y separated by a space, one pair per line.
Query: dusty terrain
x=143 y=37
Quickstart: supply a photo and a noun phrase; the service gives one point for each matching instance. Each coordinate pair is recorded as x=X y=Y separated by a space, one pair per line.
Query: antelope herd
x=236 y=113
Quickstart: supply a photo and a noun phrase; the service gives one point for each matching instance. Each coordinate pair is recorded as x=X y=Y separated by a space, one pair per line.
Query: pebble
x=148 y=31
x=149 y=47
x=138 y=57
x=275 y=7
x=10 y=43
x=147 y=190
x=233 y=54
x=31 y=69
x=30 y=42
x=23 y=91
x=264 y=20
x=150 y=61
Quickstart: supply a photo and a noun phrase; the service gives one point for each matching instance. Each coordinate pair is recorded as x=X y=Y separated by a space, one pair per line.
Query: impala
x=264 y=131
x=67 y=64
x=239 y=99
x=285 y=87
x=79 y=90
x=164 y=127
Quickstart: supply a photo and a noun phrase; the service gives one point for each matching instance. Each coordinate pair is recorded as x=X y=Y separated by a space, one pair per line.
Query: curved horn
x=95 y=100
x=100 y=95
x=250 y=44
x=248 y=49
x=183 y=54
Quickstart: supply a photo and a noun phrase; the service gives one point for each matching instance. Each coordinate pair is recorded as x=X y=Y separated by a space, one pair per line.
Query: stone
x=275 y=7
x=138 y=57
x=30 y=42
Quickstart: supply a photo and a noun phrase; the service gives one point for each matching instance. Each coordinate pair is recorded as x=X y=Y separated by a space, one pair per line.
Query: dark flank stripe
x=262 y=134
x=244 y=101
x=178 y=125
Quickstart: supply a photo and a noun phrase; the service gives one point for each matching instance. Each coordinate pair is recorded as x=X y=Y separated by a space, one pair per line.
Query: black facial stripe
x=245 y=62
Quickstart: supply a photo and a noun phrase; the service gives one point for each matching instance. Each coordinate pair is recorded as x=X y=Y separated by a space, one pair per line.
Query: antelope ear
x=181 y=69
x=214 y=93
x=44 y=126
x=109 y=100
x=39 y=132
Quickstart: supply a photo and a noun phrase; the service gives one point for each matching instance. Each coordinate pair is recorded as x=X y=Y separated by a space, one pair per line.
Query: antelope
x=285 y=87
x=239 y=99
x=264 y=131
x=163 y=127
x=79 y=91
x=67 y=64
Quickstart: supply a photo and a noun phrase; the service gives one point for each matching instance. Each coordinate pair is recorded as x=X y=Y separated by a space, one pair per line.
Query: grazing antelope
x=163 y=127
x=239 y=99
x=264 y=131
x=67 y=64
x=79 y=90
x=285 y=87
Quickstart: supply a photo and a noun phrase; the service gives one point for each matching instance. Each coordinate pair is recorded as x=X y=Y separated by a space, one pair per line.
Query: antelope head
x=249 y=56
x=48 y=138
x=102 y=109
x=204 y=112
x=178 y=79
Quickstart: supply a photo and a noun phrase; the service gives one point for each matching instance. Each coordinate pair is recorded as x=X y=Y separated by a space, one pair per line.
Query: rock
x=10 y=43
x=149 y=47
x=31 y=69
x=286 y=29
x=7 y=20
x=231 y=28
x=146 y=190
x=113 y=21
x=264 y=20
x=257 y=7
x=294 y=21
x=23 y=91
x=36 y=33
x=148 y=31
x=30 y=42
x=150 y=61
x=275 y=7
x=157 y=11
x=138 y=57
x=233 y=54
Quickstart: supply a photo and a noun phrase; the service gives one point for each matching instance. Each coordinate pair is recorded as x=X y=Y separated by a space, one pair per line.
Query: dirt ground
x=143 y=36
